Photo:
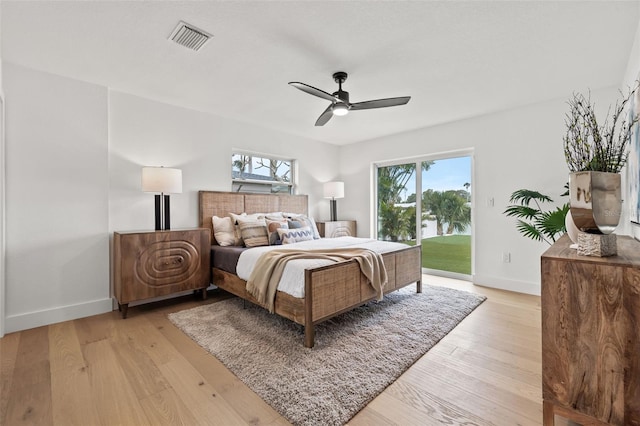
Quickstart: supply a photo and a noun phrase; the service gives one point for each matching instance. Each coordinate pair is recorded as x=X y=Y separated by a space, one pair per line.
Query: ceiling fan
x=340 y=100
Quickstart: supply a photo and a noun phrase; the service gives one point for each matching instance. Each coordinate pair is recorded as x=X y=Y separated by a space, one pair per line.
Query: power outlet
x=506 y=257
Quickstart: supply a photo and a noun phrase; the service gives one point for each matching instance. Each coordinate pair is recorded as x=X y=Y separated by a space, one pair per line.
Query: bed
x=328 y=290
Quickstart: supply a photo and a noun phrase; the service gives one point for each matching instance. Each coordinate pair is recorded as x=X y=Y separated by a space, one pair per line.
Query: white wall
x=149 y=133
x=515 y=149
x=74 y=153
x=2 y=191
x=631 y=75
x=57 y=198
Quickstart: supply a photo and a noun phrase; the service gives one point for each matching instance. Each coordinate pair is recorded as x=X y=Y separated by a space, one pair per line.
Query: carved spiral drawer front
x=337 y=228
x=340 y=231
x=162 y=263
x=159 y=263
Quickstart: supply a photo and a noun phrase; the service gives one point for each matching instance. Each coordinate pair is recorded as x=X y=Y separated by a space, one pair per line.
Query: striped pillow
x=289 y=236
x=254 y=233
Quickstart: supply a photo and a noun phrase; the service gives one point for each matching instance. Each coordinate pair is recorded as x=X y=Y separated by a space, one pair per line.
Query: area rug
x=355 y=357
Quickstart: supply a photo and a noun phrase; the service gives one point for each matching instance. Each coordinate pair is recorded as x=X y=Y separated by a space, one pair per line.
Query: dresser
x=159 y=263
x=591 y=335
x=337 y=228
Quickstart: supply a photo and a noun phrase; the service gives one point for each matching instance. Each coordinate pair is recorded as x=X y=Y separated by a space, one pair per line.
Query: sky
x=451 y=173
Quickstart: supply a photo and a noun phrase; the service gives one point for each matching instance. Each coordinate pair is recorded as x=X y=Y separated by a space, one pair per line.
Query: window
x=260 y=173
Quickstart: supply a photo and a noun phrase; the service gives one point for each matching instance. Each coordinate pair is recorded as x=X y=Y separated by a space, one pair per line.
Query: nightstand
x=337 y=228
x=159 y=263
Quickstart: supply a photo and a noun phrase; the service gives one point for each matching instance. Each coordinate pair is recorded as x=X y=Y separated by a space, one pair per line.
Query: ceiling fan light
x=340 y=109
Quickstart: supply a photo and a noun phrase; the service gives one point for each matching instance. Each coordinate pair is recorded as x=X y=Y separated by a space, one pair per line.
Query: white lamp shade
x=162 y=180
x=334 y=190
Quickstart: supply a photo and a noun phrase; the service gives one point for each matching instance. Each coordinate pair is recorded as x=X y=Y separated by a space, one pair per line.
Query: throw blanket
x=263 y=282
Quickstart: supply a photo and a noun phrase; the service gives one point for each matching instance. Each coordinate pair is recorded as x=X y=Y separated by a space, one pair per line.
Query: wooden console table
x=591 y=335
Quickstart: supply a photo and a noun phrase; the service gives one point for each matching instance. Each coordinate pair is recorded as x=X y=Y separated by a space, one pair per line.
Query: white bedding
x=292 y=281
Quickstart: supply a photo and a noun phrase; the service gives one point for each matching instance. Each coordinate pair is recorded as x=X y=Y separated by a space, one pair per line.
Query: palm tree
x=447 y=207
x=458 y=214
x=396 y=222
x=467 y=185
x=433 y=202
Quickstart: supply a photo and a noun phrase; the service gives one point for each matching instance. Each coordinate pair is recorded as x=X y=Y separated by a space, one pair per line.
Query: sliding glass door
x=446 y=203
x=440 y=221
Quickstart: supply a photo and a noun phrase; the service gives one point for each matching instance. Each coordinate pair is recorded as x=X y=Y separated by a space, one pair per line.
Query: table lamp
x=334 y=190
x=162 y=181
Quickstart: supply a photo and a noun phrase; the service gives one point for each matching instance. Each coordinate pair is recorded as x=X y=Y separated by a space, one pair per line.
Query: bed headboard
x=216 y=203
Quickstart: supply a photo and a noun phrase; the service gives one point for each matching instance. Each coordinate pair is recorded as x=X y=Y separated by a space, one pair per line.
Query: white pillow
x=243 y=216
x=256 y=216
x=273 y=216
x=225 y=231
x=288 y=215
x=289 y=236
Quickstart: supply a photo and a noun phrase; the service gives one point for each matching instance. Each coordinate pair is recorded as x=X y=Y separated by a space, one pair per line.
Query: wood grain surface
x=218 y=203
x=485 y=372
x=158 y=263
x=590 y=341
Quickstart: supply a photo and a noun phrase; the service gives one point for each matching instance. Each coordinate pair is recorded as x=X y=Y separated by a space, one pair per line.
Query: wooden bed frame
x=329 y=290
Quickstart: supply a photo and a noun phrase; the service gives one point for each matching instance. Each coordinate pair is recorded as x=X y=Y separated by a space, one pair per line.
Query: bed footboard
x=286 y=305
x=333 y=289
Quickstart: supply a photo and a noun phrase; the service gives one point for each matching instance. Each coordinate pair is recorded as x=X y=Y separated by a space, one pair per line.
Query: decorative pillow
x=272 y=229
x=289 y=236
x=256 y=216
x=243 y=216
x=273 y=216
x=310 y=222
x=291 y=215
x=225 y=231
x=254 y=233
x=294 y=224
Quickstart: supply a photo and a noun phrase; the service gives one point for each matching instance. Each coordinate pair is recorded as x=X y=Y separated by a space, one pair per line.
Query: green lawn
x=448 y=253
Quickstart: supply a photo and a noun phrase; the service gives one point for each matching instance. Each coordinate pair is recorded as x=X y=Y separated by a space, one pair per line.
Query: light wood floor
x=103 y=370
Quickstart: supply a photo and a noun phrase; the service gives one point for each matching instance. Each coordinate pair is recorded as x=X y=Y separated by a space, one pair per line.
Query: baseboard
x=504 y=284
x=58 y=314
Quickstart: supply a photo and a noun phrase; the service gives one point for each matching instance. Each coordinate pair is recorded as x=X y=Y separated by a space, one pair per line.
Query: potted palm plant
x=595 y=154
x=533 y=221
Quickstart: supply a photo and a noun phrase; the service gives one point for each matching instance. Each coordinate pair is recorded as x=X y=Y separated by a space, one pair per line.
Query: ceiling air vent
x=189 y=36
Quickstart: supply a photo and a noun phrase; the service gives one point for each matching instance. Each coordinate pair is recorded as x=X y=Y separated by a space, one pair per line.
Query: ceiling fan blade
x=325 y=116
x=313 y=91
x=380 y=103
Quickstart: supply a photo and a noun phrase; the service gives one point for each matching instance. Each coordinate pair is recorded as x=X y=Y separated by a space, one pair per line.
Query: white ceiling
x=456 y=59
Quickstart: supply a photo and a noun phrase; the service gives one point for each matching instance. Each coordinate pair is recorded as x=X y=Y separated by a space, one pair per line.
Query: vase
x=596 y=201
x=572 y=230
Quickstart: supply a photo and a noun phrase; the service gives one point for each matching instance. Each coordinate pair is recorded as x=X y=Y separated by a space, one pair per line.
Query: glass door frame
x=417 y=160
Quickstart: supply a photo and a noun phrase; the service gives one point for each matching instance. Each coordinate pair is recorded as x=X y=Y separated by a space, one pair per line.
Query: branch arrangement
x=592 y=147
